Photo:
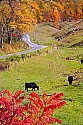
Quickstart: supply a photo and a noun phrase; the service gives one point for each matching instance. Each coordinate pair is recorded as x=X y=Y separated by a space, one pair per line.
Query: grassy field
x=50 y=70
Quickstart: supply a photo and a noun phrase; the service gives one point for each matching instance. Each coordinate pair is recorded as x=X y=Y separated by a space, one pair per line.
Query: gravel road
x=26 y=39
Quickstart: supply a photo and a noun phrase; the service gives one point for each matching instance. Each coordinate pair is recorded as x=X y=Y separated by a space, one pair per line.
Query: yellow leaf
x=12 y=25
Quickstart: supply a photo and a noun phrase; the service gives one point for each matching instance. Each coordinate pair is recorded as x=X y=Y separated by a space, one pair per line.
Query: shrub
x=35 y=112
x=4 y=65
x=14 y=58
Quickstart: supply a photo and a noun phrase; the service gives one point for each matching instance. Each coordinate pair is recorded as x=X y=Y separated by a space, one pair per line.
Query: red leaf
x=60 y=104
x=55 y=120
x=36 y=99
x=45 y=99
x=20 y=99
x=34 y=102
x=4 y=100
x=7 y=92
x=28 y=121
x=34 y=94
x=34 y=110
x=1 y=94
x=56 y=97
x=18 y=93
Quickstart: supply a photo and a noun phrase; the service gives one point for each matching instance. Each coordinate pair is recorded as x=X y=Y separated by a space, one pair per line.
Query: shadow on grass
x=77 y=44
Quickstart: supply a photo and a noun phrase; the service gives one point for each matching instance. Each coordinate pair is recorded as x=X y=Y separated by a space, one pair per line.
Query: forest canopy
x=18 y=16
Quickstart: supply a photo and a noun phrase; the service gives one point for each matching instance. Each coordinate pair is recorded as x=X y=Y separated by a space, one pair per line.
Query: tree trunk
x=9 y=38
x=82 y=11
x=1 y=40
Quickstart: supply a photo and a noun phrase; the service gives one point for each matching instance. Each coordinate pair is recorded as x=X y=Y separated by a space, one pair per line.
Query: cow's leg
x=70 y=82
x=27 y=89
x=33 y=89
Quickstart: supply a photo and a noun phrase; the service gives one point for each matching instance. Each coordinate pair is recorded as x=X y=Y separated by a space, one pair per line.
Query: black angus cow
x=32 y=85
x=70 y=79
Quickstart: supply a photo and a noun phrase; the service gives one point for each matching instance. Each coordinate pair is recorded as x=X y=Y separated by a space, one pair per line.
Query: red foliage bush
x=35 y=112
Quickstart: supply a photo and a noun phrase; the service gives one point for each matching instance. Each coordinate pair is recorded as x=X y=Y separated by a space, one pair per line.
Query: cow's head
x=37 y=87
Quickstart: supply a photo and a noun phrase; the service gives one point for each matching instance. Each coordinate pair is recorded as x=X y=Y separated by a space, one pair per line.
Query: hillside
x=70 y=34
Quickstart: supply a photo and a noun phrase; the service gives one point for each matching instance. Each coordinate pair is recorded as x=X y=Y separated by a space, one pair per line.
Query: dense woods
x=18 y=16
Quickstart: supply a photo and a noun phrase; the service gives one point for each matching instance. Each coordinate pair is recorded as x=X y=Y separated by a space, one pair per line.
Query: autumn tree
x=16 y=16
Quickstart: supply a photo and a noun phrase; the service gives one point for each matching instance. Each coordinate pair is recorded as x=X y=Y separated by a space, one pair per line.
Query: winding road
x=26 y=39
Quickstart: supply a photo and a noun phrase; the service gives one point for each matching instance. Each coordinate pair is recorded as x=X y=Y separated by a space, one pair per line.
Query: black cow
x=70 y=79
x=32 y=85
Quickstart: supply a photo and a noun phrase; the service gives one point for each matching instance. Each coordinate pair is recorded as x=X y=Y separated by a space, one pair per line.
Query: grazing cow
x=70 y=79
x=32 y=85
x=81 y=60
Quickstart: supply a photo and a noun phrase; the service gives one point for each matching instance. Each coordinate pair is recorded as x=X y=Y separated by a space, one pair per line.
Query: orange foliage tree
x=16 y=16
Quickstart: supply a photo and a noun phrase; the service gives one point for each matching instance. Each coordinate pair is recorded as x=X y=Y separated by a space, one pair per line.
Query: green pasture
x=50 y=71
